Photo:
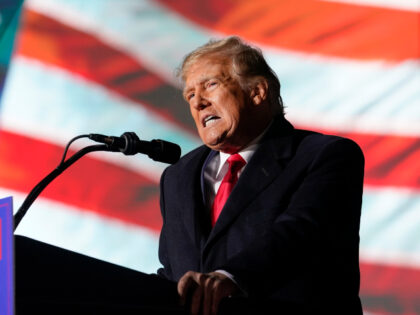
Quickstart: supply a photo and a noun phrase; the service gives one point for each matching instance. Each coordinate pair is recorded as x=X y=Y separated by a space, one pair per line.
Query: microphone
x=130 y=144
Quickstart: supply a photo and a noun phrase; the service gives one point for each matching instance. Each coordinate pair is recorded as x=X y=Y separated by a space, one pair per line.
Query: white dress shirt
x=217 y=168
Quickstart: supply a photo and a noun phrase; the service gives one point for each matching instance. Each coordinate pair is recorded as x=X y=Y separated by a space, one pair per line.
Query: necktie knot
x=236 y=162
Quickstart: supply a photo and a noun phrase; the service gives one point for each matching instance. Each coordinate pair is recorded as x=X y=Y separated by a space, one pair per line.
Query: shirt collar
x=245 y=153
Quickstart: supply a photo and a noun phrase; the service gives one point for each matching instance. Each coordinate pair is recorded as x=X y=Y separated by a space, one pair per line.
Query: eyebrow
x=203 y=80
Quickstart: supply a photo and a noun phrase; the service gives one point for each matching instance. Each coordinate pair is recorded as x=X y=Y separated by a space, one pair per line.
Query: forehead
x=205 y=68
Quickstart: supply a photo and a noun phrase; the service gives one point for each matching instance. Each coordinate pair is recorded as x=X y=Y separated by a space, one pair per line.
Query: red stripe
x=130 y=196
x=328 y=28
x=390 y=160
x=52 y=42
x=120 y=193
x=390 y=289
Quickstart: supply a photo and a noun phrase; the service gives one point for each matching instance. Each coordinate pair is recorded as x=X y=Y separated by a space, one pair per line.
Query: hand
x=205 y=291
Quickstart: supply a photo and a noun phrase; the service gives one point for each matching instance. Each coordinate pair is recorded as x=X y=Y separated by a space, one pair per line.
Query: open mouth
x=208 y=120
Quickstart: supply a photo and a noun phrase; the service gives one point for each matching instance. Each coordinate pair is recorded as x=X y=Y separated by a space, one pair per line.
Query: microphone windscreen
x=164 y=151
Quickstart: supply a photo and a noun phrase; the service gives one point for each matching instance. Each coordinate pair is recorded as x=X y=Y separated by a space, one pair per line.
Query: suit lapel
x=266 y=165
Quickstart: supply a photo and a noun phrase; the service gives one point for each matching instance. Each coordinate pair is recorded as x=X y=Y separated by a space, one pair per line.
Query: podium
x=52 y=280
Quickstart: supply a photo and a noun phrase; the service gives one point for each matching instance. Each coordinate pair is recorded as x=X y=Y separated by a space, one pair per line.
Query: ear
x=259 y=91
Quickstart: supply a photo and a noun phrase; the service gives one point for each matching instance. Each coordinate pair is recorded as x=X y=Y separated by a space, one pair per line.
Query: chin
x=211 y=141
x=223 y=147
x=217 y=143
x=216 y=147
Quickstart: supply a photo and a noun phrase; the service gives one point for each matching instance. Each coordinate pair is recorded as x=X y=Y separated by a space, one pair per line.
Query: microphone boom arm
x=51 y=176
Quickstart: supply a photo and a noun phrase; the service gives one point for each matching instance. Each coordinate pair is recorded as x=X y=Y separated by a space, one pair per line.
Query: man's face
x=222 y=111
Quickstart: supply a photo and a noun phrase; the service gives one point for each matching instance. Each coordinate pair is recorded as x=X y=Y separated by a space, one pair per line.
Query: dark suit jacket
x=289 y=231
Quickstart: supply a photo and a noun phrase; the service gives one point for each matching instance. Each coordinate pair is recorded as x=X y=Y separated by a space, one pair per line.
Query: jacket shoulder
x=189 y=161
x=317 y=143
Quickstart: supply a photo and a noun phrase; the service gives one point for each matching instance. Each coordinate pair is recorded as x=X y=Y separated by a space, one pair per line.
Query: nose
x=199 y=101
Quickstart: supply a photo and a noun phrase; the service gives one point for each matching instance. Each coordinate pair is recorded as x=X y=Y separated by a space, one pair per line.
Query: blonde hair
x=247 y=65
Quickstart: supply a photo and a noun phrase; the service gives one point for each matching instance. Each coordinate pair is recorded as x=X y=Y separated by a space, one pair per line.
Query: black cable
x=38 y=188
x=51 y=176
x=68 y=146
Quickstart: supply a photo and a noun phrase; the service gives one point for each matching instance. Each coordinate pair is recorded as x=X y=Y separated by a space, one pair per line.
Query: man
x=277 y=224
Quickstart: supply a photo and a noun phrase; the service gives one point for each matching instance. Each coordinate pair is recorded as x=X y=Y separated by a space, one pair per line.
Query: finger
x=222 y=289
x=185 y=284
x=217 y=296
x=208 y=294
x=196 y=299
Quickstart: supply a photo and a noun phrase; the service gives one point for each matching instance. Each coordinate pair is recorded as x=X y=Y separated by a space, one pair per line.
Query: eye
x=190 y=96
x=211 y=83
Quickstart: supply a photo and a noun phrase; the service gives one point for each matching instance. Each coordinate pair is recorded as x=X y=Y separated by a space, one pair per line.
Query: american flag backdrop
x=347 y=67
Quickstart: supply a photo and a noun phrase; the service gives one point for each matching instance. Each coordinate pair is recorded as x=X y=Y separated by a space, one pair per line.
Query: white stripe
x=78 y=230
x=388 y=233
x=349 y=96
x=71 y=106
x=134 y=26
x=322 y=92
x=389 y=230
x=412 y=5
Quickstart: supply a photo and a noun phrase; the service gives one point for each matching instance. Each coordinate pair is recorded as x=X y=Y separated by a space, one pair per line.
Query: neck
x=253 y=139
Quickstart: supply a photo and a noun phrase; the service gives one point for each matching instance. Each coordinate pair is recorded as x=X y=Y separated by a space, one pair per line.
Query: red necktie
x=236 y=162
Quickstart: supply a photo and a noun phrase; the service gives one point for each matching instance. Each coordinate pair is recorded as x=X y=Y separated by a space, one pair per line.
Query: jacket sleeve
x=165 y=270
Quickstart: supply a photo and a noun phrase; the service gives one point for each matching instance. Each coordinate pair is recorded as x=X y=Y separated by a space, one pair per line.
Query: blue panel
x=6 y=257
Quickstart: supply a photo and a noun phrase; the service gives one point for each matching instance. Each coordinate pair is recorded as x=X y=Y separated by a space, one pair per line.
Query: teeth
x=209 y=118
